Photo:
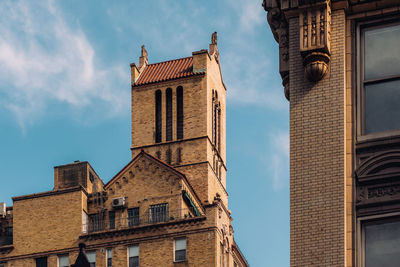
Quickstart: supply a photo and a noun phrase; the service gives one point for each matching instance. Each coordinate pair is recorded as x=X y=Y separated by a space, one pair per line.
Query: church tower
x=179 y=116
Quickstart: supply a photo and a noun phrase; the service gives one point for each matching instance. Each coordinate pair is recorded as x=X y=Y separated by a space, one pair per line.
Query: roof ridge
x=168 y=60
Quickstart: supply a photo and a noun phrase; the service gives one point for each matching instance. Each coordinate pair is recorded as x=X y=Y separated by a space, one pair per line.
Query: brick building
x=340 y=66
x=167 y=207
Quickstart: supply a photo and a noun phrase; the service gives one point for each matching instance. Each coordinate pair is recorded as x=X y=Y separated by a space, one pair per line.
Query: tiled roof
x=167 y=70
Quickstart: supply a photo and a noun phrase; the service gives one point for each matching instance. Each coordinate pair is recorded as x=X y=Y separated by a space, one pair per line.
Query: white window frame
x=175 y=249
x=134 y=247
x=108 y=256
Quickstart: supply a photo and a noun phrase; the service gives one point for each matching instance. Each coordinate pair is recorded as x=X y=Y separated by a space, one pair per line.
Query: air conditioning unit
x=118 y=202
x=2 y=209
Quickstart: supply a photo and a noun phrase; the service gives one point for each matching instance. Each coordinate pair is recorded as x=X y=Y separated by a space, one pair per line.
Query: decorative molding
x=279 y=27
x=315 y=30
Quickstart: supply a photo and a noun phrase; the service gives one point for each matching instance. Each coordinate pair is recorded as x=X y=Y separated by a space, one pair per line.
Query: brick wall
x=317 y=166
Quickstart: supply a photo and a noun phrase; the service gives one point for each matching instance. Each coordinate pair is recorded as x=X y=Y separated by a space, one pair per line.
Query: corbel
x=315 y=47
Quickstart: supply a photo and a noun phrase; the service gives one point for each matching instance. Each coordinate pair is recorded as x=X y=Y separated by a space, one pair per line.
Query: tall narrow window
x=133 y=216
x=168 y=111
x=158 y=116
x=212 y=117
x=133 y=256
x=41 y=262
x=111 y=219
x=63 y=261
x=215 y=118
x=179 y=112
x=180 y=249
x=109 y=257
x=91 y=258
x=168 y=155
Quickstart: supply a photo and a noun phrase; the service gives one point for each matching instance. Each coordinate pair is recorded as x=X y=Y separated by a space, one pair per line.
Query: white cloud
x=278 y=160
x=43 y=60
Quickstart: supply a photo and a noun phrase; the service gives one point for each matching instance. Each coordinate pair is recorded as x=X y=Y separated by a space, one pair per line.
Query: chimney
x=213 y=46
x=143 y=59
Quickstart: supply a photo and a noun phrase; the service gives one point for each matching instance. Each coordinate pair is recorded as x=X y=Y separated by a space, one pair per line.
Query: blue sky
x=65 y=92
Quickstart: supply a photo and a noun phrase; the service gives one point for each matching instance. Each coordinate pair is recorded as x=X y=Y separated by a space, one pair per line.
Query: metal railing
x=136 y=221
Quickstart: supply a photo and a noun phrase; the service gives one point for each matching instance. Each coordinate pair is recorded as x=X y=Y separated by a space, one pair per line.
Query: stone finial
x=143 y=61
x=81 y=260
x=213 y=46
x=214 y=38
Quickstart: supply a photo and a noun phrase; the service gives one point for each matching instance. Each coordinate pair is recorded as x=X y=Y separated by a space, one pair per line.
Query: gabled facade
x=167 y=207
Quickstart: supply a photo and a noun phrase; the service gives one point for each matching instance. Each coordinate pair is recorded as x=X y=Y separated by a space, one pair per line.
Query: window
x=180 y=249
x=179 y=112
x=111 y=219
x=380 y=243
x=63 y=261
x=2 y=264
x=133 y=253
x=84 y=222
x=133 y=216
x=380 y=78
x=168 y=156
x=109 y=257
x=158 y=213
x=94 y=220
x=91 y=258
x=158 y=116
x=168 y=114
x=41 y=262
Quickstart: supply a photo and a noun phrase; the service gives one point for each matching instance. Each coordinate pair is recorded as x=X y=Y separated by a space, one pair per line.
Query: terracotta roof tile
x=167 y=70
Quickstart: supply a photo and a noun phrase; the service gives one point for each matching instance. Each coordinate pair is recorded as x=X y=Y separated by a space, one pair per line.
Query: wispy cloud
x=42 y=60
x=278 y=160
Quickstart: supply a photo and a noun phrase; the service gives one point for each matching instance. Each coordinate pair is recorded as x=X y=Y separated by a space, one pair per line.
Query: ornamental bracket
x=315 y=39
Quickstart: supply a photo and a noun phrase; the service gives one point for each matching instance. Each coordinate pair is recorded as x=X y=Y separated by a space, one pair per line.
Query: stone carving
x=279 y=27
x=213 y=46
x=315 y=24
x=383 y=191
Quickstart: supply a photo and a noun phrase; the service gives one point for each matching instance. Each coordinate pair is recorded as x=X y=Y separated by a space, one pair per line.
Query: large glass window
x=63 y=261
x=380 y=79
x=381 y=243
x=91 y=258
x=133 y=253
x=180 y=249
x=158 y=213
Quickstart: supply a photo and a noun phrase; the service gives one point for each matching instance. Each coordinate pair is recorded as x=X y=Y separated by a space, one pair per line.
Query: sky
x=65 y=96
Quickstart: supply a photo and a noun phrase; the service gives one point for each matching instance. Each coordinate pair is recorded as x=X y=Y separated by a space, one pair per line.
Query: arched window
x=158 y=116
x=168 y=114
x=179 y=112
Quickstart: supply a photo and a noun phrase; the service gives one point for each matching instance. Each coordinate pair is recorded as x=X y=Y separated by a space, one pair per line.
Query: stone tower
x=179 y=117
x=339 y=62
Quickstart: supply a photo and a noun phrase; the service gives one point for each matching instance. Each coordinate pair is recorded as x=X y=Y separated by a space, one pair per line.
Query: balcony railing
x=137 y=221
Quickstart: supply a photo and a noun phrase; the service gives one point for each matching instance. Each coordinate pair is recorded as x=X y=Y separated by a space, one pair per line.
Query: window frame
x=360 y=81
x=95 y=256
x=175 y=250
x=138 y=256
x=109 y=257
x=155 y=217
x=365 y=220
x=133 y=220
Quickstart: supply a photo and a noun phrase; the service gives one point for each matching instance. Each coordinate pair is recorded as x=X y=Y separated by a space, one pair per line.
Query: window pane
x=382 y=109
x=63 y=261
x=134 y=261
x=180 y=255
x=134 y=251
x=41 y=262
x=382 y=52
x=382 y=245
x=180 y=244
x=91 y=256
